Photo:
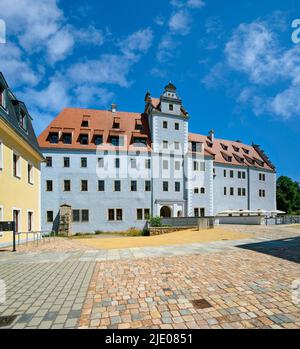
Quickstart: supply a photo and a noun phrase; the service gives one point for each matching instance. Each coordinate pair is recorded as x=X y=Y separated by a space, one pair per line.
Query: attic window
x=139 y=142
x=209 y=144
x=171 y=107
x=236 y=148
x=84 y=139
x=98 y=140
x=250 y=161
x=259 y=162
x=115 y=141
x=22 y=120
x=239 y=159
x=2 y=97
x=85 y=123
x=246 y=151
x=53 y=137
x=138 y=125
x=227 y=157
x=67 y=138
x=225 y=147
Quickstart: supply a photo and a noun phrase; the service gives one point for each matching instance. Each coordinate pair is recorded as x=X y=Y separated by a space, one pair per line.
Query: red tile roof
x=101 y=123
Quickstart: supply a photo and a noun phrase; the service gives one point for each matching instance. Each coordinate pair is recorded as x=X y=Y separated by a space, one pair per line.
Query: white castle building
x=115 y=169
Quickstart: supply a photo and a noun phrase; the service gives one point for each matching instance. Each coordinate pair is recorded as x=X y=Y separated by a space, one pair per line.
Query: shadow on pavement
x=288 y=248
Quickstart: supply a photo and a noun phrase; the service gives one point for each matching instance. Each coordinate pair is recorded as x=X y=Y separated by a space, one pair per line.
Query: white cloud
x=166 y=48
x=255 y=51
x=179 y=22
x=60 y=45
x=195 y=3
x=136 y=43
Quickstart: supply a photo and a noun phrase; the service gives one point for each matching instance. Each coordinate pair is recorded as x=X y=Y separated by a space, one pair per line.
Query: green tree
x=288 y=195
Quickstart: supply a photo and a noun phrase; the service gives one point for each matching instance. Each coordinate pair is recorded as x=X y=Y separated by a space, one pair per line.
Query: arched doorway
x=179 y=214
x=165 y=212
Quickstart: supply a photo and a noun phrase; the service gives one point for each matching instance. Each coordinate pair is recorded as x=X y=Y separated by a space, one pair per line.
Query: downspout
x=248 y=185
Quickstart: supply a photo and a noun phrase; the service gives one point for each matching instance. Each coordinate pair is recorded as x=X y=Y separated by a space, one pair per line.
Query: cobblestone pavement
x=247 y=283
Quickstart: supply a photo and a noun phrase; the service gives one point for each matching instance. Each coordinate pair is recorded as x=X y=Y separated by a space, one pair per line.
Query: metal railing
x=37 y=236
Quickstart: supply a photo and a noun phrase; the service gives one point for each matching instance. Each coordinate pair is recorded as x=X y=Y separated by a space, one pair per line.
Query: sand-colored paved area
x=177 y=238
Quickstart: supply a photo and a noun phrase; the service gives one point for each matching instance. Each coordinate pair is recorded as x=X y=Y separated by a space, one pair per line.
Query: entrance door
x=165 y=212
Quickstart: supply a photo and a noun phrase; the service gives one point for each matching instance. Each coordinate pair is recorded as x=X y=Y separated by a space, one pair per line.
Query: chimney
x=113 y=108
x=211 y=135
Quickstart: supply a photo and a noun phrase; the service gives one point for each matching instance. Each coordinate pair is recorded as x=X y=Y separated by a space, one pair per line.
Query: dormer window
x=171 y=107
x=23 y=123
x=53 y=137
x=116 y=125
x=115 y=141
x=225 y=147
x=138 y=125
x=67 y=138
x=246 y=151
x=2 y=97
x=226 y=157
x=98 y=140
x=84 y=139
x=139 y=142
x=236 y=148
x=85 y=123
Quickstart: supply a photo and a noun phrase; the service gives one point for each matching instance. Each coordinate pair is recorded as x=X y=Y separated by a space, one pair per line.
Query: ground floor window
x=115 y=214
x=142 y=214
x=76 y=215
x=30 y=221
x=84 y=215
x=49 y=216
x=16 y=219
x=199 y=212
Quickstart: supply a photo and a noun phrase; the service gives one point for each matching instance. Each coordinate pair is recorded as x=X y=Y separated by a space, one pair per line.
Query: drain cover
x=7 y=320
x=201 y=304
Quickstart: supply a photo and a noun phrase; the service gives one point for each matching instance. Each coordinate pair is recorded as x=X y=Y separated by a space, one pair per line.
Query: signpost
x=9 y=226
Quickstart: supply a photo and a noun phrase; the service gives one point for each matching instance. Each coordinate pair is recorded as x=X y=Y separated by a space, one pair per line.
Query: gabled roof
x=11 y=117
x=100 y=123
x=240 y=154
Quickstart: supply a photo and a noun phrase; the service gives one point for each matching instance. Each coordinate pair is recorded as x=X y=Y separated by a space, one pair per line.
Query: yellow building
x=20 y=160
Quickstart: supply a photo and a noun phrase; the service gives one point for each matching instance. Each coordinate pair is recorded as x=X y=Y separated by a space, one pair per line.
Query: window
x=196 y=190
x=76 y=215
x=239 y=191
x=165 y=186
x=119 y=214
x=133 y=163
x=196 y=212
x=171 y=107
x=111 y=215
x=84 y=185
x=139 y=214
x=66 y=162
x=176 y=126
x=194 y=147
x=239 y=174
x=48 y=161
x=49 y=185
x=231 y=191
x=100 y=162
x=262 y=177
x=1 y=155
x=84 y=215
x=202 y=166
x=165 y=124
x=165 y=164
x=139 y=142
x=147 y=163
x=243 y=192
x=30 y=173
x=262 y=193
x=16 y=219
x=177 y=165
x=29 y=221
x=202 y=212
x=116 y=125
x=202 y=190
x=147 y=185
x=244 y=175
x=177 y=186
x=147 y=213
x=85 y=123
x=53 y=137
x=133 y=186
x=196 y=165
x=165 y=144
x=199 y=166
x=67 y=138
x=177 y=145
x=117 y=163
x=84 y=162
x=138 y=125
x=115 y=140
x=49 y=216
x=117 y=185
x=16 y=165
x=84 y=139
x=98 y=140
x=231 y=174
x=23 y=122
x=2 y=97
x=225 y=173
x=225 y=147
x=67 y=185
x=225 y=191
x=101 y=185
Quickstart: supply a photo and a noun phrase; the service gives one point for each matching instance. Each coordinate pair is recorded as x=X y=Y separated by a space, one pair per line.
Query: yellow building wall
x=17 y=193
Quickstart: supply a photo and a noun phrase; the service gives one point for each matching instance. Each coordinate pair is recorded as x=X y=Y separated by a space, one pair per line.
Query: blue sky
x=234 y=63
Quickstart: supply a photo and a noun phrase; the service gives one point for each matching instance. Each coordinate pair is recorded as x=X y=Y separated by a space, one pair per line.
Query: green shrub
x=133 y=232
x=146 y=232
x=155 y=222
x=99 y=232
